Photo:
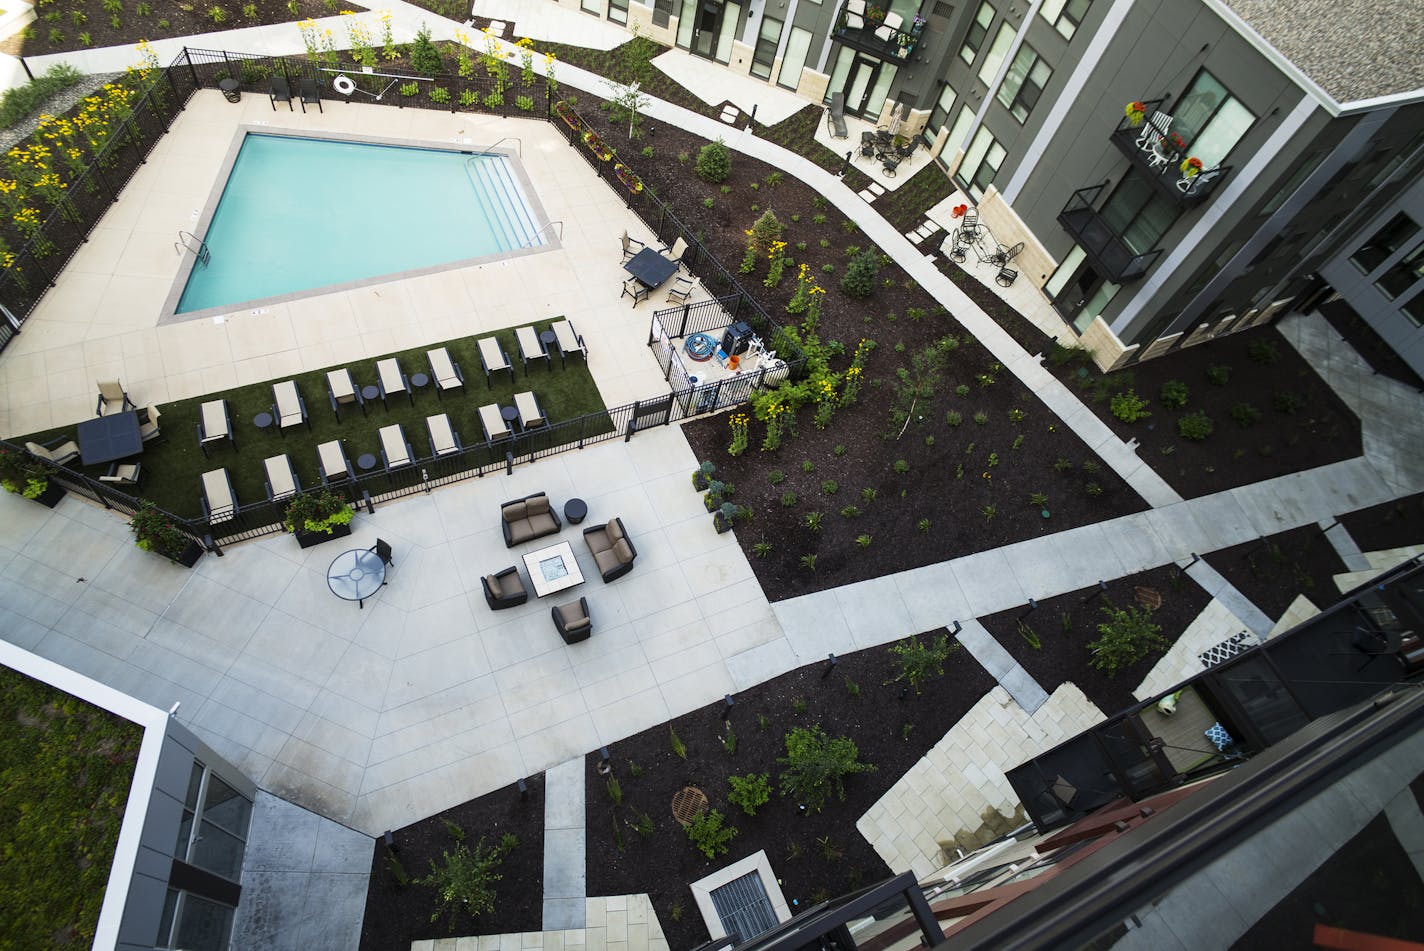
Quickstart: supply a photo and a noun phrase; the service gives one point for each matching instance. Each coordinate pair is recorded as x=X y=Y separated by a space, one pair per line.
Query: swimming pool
x=299 y=213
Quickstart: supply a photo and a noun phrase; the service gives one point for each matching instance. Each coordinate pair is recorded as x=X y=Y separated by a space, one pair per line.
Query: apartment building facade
x=1175 y=171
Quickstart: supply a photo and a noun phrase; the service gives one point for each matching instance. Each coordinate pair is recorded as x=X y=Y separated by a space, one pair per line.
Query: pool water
x=298 y=214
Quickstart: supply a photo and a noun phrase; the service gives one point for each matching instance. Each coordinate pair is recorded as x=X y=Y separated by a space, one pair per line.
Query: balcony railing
x=876 y=30
x=1149 y=142
x=1108 y=252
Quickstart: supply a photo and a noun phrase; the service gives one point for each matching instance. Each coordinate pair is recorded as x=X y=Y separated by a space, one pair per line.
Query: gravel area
x=56 y=105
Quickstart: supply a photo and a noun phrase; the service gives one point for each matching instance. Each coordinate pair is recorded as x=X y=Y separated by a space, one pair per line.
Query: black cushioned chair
x=504 y=589
x=572 y=620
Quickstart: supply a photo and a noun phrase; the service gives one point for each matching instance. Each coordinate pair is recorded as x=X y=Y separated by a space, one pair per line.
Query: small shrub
x=812 y=521
x=901 y=466
x=1173 y=395
x=809 y=563
x=708 y=203
x=923 y=525
x=679 y=749
x=729 y=740
x=798 y=705
x=1288 y=402
x=464 y=879
x=709 y=835
x=816 y=766
x=634 y=770
x=868 y=495
x=859 y=280
x=1030 y=636
x=615 y=791
x=1038 y=500
x=1195 y=426
x=988 y=512
x=1263 y=352
x=808 y=466
x=750 y=792
x=788 y=499
x=919 y=661
x=961 y=390
x=1093 y=489
x=761 y=549
x=863 y=541
x=777 y=476
x=953 y=419
x=850 y=511
x=1090 y=466
x=1062 y=465
x=981 y=418
x=1244 y=414
x=647 y=151
x=1127 y=636
x=1129 y=407
x=829 y=486
x=840 y=450
x=714 y=162
x=852 y=687
x=1218 y=374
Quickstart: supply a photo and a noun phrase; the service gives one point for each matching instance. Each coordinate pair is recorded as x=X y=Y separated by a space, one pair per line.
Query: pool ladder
x=201 y=252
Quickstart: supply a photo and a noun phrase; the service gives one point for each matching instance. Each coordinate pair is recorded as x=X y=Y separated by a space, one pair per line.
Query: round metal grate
x=688 y=803
x=1148 y=598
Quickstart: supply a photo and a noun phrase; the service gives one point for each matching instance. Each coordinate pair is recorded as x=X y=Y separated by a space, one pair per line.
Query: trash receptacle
x=230 y=90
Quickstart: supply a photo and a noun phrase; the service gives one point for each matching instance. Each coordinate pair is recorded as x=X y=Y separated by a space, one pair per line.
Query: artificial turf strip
x=173 y=464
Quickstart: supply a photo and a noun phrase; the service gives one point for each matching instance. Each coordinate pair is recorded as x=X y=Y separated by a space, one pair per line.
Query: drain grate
x=688 y=803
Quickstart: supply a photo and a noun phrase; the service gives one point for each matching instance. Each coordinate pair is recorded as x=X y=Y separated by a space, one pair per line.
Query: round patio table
x=356 y=574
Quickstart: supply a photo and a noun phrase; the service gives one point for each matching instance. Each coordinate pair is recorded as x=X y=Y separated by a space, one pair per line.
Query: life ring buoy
x=343 y=85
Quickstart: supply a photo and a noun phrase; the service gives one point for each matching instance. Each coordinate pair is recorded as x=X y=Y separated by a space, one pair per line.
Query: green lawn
x=65 y=771
x=174 y=463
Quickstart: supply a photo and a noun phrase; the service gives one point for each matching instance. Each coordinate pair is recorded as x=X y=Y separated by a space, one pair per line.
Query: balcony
x=1105 y=249
x=876 y=30
x=1150 y=144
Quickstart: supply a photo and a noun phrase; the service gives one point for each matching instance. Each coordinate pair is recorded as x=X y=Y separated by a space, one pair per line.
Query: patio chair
x=444 y=371
x=281 y=482
x=504 y=589
x=126 y=473
x=572 y=620
x=631 y=246
x=867 y=144
x=1006 y=276
x=494 y=359
x=443 y=438
x=112 y=398
x=855 y=14
x=310 y=95
x=568 y=340
x=58 y=451
x=214 y=424
x=1153 y=130
x=889 y=164
x=492 y=422
x=333 y=464
x=342 y=391
x=391 y=379
x=531 y=414
x=219 y=501
x=288 y=407
x=836 y=112
x=530 y=348
x=1190 y=186
x=280 y=92
x=395 y=448
x=681 y=289
x=148 y=423
x=634 y=288
x=886 y=31
x=383 y=551
x=679 y=248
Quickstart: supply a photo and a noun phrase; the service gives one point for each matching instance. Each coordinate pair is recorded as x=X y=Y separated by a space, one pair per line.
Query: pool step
x=501 y=201
x=514 y=204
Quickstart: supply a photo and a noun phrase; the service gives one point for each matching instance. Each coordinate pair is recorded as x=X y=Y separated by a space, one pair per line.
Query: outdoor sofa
x=527 y=519
x=611 y=548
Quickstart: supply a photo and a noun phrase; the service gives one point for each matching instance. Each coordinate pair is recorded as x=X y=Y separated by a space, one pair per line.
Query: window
x=1386 y=241
x=214 y=836
x=959 y=130
x=1138 y=213
x=764 y=56
x=1403 y=274
x=662 y=12
x=1065 y=15
x=1024 y=83
x=978 y=30
x=686 y=20
x=798 y=44
x=1302 y=171
x=1414 y=309
x=939 y=115
x=592 y=6
x=1210 y=119
x=997 y=51
x=618 y=11
x=981 y=162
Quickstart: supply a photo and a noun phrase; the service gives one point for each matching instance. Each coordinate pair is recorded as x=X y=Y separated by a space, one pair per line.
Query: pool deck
x=99 y=323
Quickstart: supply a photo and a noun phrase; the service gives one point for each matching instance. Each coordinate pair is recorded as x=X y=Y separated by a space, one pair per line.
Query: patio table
x=355 y=575
x=107 y=438
x=650 y=268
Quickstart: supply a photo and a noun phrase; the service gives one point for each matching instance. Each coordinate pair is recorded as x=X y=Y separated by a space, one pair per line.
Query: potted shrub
x=702 y=476
x=316 y=517
x=717 y=493
x=25 y=475
x=728 y=515
x=155 y=531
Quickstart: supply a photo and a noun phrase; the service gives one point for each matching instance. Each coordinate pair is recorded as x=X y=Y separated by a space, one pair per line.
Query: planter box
x=190 y=555
x=50 y=497
x=721 y=524
x=308 y=539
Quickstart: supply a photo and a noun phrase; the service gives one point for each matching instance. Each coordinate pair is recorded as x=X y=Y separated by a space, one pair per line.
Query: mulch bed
x=396 y=915
x=64 y=34
x=816 y=855
x=1271 y=572
x=1365 y=341
x=1063 y=656
x=1388 y=525
x=1301 y=423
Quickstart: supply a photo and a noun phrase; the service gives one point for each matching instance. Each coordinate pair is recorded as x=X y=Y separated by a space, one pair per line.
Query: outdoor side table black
x=262 y=420
x=419 y=380
x=365 y=462
x=370 y=393
x=230 y=90
x=106 y=438
x=650 y=268
x=510 y=413
x=575 y=511
x=547 y=339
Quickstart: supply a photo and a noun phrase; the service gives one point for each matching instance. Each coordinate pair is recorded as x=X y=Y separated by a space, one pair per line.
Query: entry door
x=860 y=83
x=705 y=27
x=1079 y=292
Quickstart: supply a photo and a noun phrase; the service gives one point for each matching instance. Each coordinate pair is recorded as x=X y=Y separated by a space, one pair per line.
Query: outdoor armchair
x=855 y=14
x=334 y=465
x=531 y=414
x=123 y=473
x=634 y=288
x=148 y=423
x=493 y=359
x=112 y=398
x=281 y=482
x=219 y=501
x=311 y=95
x=288 y=407
x=889 y=26
x=492 y=422
x=342 y=391
x=681 y=289
x=677 y=253
x=504 y=589
x=572 y=620
x=395 y=448
x=443 y=438
x=631 y=246
x=58 y=450
x=530 y=347
x=444 y=371
x=214 y=424
x=391 y=379
x=280 y=92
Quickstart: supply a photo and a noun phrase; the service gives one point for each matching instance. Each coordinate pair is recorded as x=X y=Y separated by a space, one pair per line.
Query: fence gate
x=648 y=413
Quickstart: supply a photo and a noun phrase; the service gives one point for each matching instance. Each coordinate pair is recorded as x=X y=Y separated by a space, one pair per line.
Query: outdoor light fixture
x=603 y=768
x=831 y=663
x=726 y=706
x=523 y=790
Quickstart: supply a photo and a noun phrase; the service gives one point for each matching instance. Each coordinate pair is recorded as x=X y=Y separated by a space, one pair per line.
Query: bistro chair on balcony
x=1199 y=181
x=681 y=290
x=887 y=30
x=1158 y=127
x=855 y=14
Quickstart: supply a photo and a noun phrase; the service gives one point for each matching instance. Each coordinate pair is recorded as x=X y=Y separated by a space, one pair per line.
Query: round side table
x=230 y=89
x=262 y=420
x=510 y=413
x=575 y=511
x=419 y=380
x=371 y=392
x=365 y=462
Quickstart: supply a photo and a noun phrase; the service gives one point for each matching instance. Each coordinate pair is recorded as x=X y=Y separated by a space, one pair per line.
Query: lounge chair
x=342 y=391
x=390 y=379
x=889 y=27
x=492 y=422
x=681 y=289
x=112 y=398
x=572 y=620
x=125 y=473
x=280 y=92
x=57 y=451
x=335 y=467
x=444 y=371
x=214 y=424
x=493 y=359
x=395 y=448
x=631 y=246
x=288 y=407
x=504 y=589
x=530 y=347
x=148 y=423
x=310 y=95
x=531 y=414
x=569 y=341
x=219 y=501
x=855 y=14
x=836 y=112
x=443 y=438
x=281 y=482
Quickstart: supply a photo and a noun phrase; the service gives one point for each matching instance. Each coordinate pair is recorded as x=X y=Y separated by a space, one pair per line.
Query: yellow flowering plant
x=739 y=423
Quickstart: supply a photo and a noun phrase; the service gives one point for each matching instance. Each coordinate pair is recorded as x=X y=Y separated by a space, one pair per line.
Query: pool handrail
x=508 y=138
x=546 y=225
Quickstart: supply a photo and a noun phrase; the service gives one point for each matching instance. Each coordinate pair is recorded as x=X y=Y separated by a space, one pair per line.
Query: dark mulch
x=397 y=915
x=814 y=856
x=1388 y=525
x=1365 y=341
x=1369 y=885
x=1063 y=656
x=73 y=20
x=1265 y=372
x=797 y=132
x=1272 y=571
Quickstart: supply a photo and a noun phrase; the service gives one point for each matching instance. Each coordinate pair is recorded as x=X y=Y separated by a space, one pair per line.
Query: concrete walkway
x=614 y=923
x=565 y=845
